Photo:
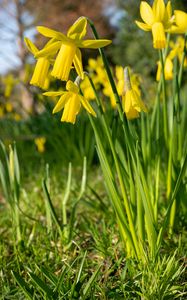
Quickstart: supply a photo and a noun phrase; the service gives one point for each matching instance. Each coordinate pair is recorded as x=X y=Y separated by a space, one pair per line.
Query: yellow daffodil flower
x=70 y=101
x=8 y=107
x=178 y=49
x=1 y=111
x=87 y=88
x=168 y=69
x=40 y=143
x=41 y=71
x=180 y=26
x=131 y=100
x=17 y=117
x=9 y=81
x=107 y=91
x=157 y=19
x=69 y=53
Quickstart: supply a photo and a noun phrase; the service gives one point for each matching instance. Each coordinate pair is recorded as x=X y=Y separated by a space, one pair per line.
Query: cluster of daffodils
x=7 y=110
x=62 y=53
x=99 y=77
x=159 y=19
x=6 y=106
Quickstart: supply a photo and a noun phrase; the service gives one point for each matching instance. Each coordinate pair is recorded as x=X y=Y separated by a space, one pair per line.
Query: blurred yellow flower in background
x=40 y=144
x=9 y=82
x=17 y=117
x=1 y=111
x=8 y=107
x=178 y=49
x=87 y=88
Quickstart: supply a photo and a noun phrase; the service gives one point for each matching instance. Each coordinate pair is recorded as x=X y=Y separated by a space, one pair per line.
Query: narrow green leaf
x=23 y=285
x=48 y=198
x=90 y=283
x=41 y=285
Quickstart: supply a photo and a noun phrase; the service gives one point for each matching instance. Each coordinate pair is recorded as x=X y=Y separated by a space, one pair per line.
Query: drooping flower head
x=131 y=99
x=68 y=48
x=168 y=69
x=41 y=71
x=70 y=101
x=157 y=19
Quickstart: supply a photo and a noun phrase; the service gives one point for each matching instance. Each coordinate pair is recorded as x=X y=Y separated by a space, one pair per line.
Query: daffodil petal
x=146 y=13
x=49 y=50
x=168 y=15
x=169 y=9
x=78 y=63
x=87 y=106
x=52 y=33
x=31 y=47
x=143 y=26
x=72 y=87
x=53 y=94
x=78 y=29
x=51 y=41
x=93 y=44
x=159 y=10
x=61 y=102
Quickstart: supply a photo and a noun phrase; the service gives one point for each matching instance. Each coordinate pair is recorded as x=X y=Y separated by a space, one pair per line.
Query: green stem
x=165 y=119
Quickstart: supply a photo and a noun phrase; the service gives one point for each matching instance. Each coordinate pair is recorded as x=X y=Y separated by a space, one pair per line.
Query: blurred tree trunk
x=27 y=99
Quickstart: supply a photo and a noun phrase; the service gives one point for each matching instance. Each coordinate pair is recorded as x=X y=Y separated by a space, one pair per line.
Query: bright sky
x=8 y=43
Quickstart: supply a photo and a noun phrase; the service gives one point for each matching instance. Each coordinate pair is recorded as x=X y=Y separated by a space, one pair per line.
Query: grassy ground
x=90 y=263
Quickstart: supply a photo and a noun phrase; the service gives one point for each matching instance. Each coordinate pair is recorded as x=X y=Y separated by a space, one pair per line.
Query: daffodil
x=16 y=117
x=168 y=69
x=68 y=46
x=1 y=111
x=131 y=100
x=178 y=49
x=71 y=102
x=107 y=91
x=8 y=107
x=120 y=79
x=41 y=71
x=157 y=19
x=180 y=24
x=9 y=81
x=40 y=143
x=87 y=88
